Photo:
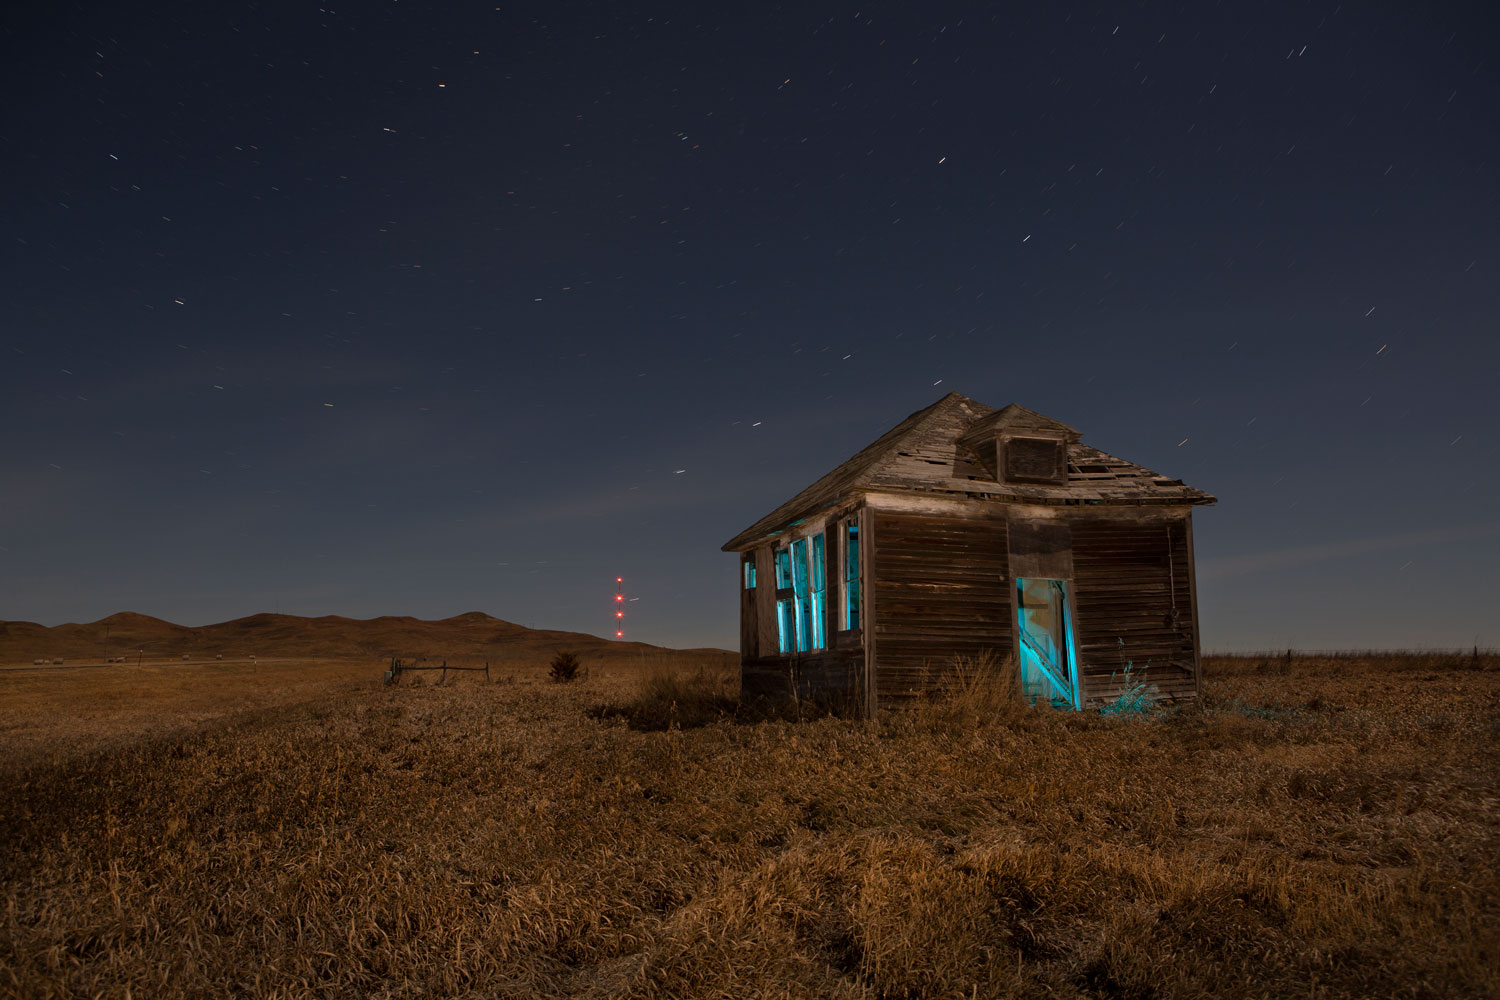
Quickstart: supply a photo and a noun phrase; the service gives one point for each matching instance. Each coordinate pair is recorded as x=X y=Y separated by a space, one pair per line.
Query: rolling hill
x=472 y=636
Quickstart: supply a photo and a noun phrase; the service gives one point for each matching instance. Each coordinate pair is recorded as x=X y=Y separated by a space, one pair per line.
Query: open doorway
x=1044 y=637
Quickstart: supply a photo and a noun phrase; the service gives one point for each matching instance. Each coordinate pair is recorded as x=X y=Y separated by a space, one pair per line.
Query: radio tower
x=619 y=607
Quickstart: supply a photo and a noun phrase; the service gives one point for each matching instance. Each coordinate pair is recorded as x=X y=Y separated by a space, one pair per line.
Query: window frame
x=786 y=617
x=801 y=600
x=849 y=542
x=1067 y=688
x=817 y=554
x=1060 y=459
x=801 y=587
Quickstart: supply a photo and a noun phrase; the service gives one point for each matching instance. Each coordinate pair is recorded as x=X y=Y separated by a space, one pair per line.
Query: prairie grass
x=673 y=696
x=1312 y=827
x=973 y=691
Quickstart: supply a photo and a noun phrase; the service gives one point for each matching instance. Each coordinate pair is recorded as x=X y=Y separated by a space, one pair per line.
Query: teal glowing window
x=819 y=603
x=786 y=626
x=851 y=575
x=803 y=595
x=786 y=621
x=749 y=574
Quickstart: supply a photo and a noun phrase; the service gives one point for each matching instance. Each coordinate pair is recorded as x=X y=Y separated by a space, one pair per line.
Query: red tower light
x=619 y=606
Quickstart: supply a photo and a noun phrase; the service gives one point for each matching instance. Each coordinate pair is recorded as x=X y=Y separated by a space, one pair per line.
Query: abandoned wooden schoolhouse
x=965 y=530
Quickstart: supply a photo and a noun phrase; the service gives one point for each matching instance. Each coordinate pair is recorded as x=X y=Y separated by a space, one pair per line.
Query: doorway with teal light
x=1046 y=649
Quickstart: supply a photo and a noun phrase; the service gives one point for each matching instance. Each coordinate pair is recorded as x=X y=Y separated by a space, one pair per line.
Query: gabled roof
x=932 y=452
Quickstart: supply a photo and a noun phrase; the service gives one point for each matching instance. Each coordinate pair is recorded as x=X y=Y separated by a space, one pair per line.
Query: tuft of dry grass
x=973 y=692
x=1323 y=827
x=674 y=696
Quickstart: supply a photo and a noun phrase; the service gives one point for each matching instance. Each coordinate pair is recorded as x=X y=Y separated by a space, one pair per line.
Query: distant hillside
x=470 y=636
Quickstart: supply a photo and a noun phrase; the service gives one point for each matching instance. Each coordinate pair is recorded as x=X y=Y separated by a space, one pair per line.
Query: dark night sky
x=420 y=309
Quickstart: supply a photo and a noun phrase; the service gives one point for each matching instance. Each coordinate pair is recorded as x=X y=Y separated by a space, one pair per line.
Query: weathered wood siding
x=831 y=676
x=749 y=612
x=940 y=588
x=765 y=604
x=1133 y=603
x=937 y=582
x=833 y=563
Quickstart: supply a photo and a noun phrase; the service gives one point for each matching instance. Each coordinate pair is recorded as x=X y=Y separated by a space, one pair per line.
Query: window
x=750 y=573
x=819 y=605
x=786 y=625
x=801 y=596
x=851 y=574
x=1035 y=460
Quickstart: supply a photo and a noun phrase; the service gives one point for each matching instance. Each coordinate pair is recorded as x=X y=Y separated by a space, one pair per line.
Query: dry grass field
x=1311 y=828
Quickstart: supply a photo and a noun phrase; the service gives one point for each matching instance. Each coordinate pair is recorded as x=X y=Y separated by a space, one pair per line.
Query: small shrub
x=564 y=668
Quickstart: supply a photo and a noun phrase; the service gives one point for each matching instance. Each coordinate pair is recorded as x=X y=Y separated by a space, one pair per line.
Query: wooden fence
x=398 y=668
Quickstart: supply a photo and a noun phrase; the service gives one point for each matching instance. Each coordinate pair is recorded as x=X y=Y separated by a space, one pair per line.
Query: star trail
x=422 y=309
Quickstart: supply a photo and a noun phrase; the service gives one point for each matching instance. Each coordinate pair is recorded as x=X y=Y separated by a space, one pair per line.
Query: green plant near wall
x=1136 y=696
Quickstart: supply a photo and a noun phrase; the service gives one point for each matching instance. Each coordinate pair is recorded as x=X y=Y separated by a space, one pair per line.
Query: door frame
x=1069 y=630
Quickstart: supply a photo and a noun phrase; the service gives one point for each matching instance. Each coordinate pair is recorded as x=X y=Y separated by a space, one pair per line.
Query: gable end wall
x=941 y=586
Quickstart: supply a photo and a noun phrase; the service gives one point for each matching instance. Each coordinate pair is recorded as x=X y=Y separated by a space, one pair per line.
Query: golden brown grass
x=1316 y=828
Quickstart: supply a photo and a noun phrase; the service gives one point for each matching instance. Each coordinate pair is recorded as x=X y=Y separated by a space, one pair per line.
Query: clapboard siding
x=1133 y=600
x=831 y=677
x=941 y=589
x=765 y=603
x=749 y=616
x=832 y=581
